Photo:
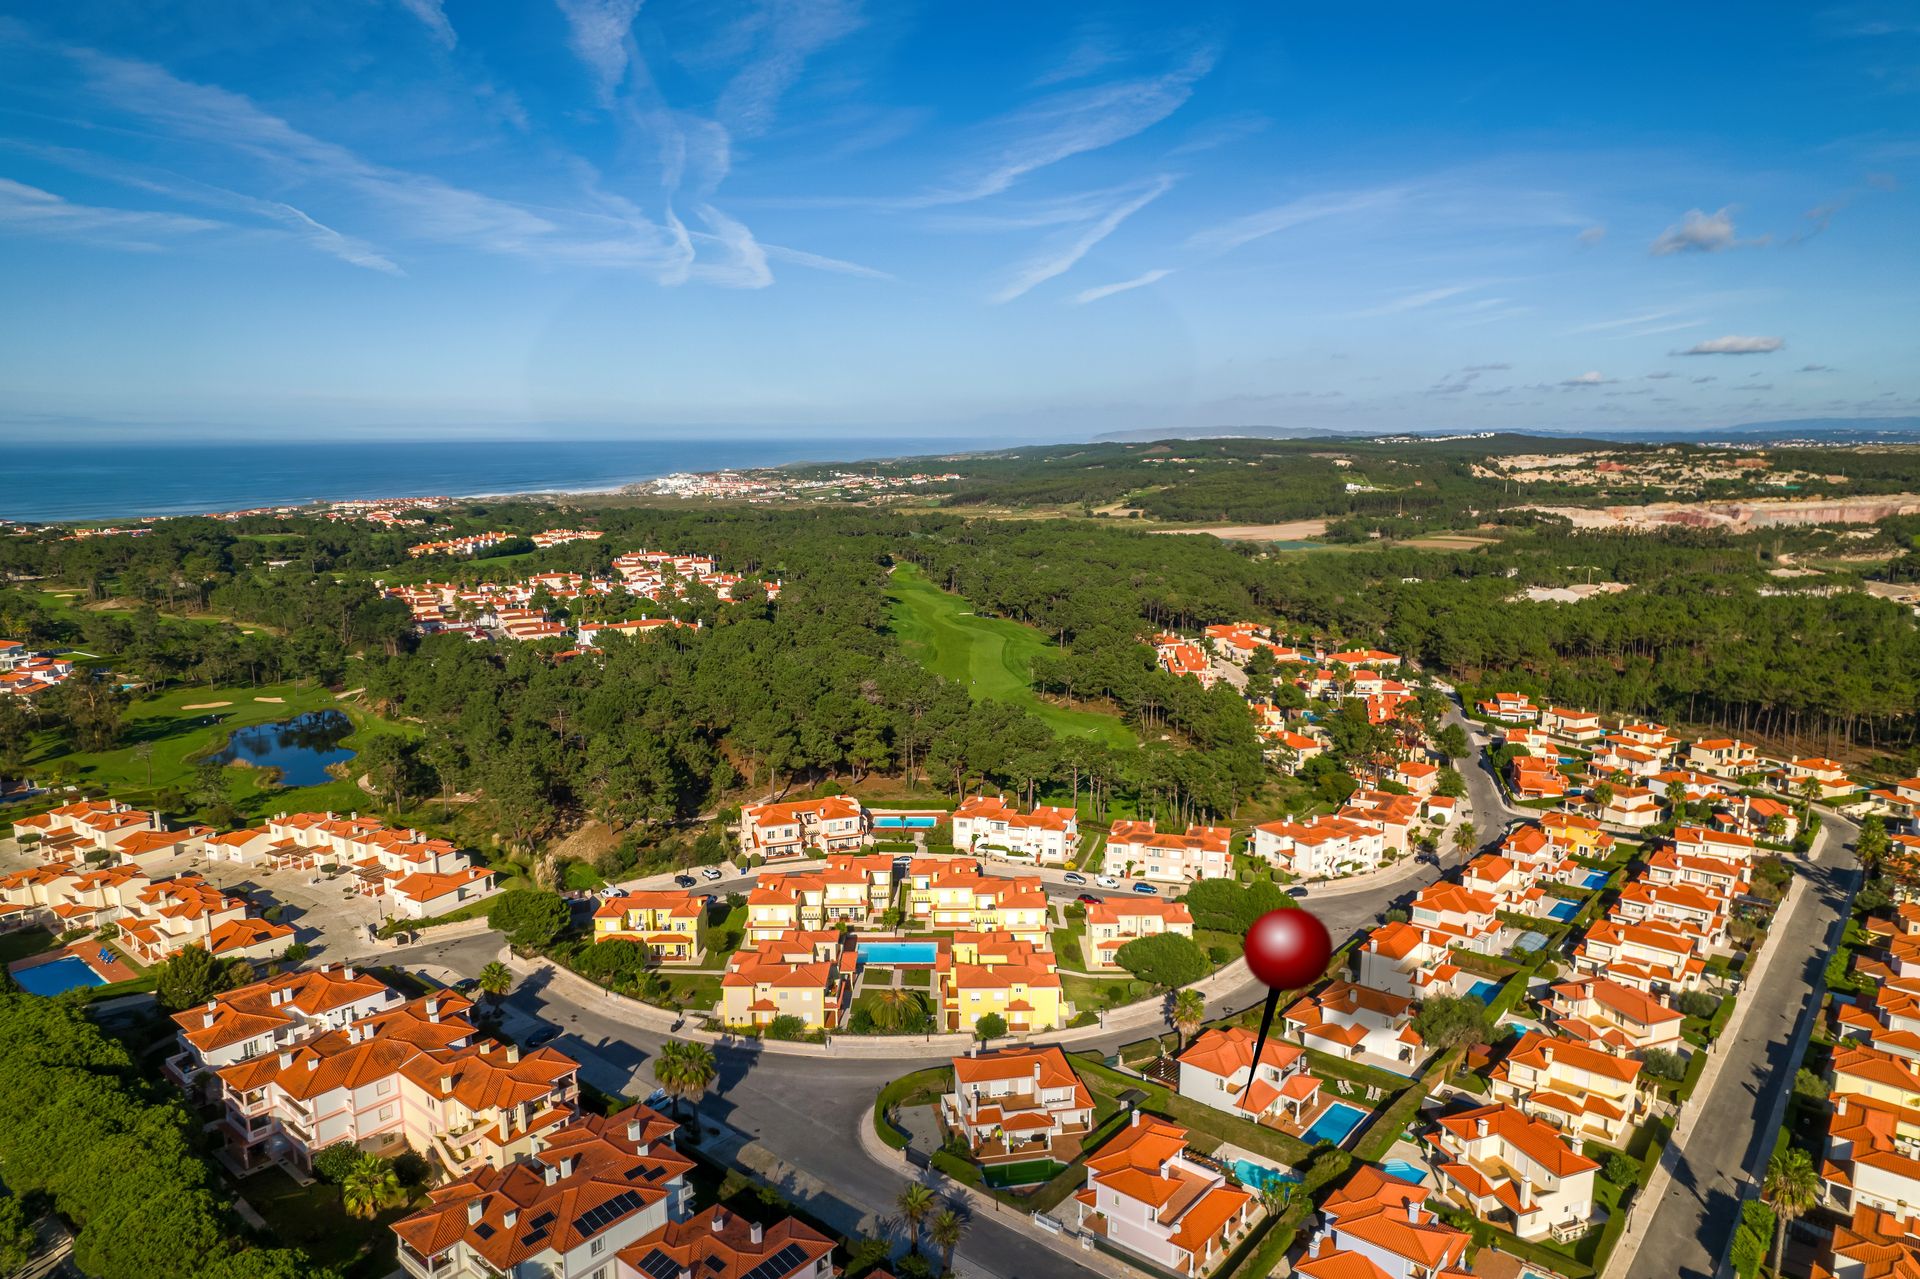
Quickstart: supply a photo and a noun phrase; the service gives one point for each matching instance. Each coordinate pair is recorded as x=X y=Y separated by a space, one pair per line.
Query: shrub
x=1696 y=1003
x=1166 y=960
x=1664 y=1064
x=1226 y=906
x=334 y=1163
x=786 y=1027
x=531 y=919
x=1622 y=1171
x=991 y=1026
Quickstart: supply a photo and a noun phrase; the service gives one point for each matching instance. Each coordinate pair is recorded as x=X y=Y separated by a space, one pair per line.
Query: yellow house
x=995 y=972
x=1577 y=1089
x=952 y=894
x=803 y=974
x=667 y=923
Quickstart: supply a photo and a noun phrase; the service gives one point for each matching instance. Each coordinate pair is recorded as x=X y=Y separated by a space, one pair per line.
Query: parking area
x=326 y=911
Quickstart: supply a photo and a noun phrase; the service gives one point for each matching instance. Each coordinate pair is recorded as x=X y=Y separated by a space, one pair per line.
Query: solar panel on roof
x=484 y=1230
x=544 y=1219
x=595 y=1219
x=658 y=1265
x=780 y=1264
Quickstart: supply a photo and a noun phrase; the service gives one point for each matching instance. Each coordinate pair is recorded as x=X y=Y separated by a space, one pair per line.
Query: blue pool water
x=897 y=952
x=1484 y=991
x=1564 y=910
x=906 y=821
x=1594 y=879
x=1403 y=1170
x=1530 y=942
x=1334 y=1124
x=1259 y=1176
x=66 y=973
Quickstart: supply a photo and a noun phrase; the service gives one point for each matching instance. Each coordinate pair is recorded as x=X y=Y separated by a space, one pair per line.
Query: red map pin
x=1286 y=949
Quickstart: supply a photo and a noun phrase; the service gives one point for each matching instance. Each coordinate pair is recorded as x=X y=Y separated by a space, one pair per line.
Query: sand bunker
x=275 y=700
x=205 y=706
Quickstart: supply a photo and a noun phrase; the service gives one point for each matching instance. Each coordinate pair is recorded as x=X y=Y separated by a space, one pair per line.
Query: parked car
x=713 y=872
x=545 y=1035
x=1088 y=899
x=657 y=1099
x=1074 y=877
x=1107 y=881
x=1296 y=892
x=684 y=881
x=466 y=985
x=1147 y=888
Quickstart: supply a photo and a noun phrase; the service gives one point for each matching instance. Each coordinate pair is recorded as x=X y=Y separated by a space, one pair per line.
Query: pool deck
x=87 y=952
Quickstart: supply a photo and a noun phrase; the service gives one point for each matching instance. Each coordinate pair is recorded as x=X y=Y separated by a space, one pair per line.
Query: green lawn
x=177 y=737
x=312 y=1217
x=991 y=656
x=19 y=945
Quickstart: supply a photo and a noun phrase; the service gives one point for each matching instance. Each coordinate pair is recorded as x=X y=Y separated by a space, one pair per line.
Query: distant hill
x=1835 y=429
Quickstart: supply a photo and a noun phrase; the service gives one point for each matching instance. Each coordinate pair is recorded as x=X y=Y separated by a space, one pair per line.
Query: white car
x=1107 y=881
x=712 y=872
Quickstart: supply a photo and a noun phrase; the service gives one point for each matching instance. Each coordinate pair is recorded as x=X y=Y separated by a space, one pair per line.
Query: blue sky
x=1033 y=220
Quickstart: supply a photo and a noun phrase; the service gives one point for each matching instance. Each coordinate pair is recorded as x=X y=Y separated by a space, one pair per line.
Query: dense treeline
x=113 y=1149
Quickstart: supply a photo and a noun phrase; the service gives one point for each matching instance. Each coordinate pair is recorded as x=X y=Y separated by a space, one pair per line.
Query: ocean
x=102 y=480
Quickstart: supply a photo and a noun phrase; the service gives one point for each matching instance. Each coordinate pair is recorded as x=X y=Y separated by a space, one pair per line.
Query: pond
x=300 y=748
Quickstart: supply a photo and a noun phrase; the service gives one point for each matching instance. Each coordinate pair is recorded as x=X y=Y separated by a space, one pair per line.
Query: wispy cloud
x=820 y=262
x=29 y=210
x=1700 y=232
x=789 y=34
x=599 y=32
x=1108 y=290
x=434 y=14
x=1415 y=301
x=1061 y=257
x=1595 y=378
x=1071 y=123
x=1592 y=235
x=1734 y=345
x=1283 y=217
x=1815 y=368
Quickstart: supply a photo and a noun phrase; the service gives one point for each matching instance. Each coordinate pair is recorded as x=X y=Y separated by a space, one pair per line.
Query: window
x=383 y=1087
x=597 y=1247
x=386 y=1113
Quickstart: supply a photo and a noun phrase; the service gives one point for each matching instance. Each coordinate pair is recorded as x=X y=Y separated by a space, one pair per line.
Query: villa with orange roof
x=1578 y=1089
x=1510 y=708
x=1201 y=853
x=1536 y=778
x=1655 y=955
x=1146 y=1196
x=1758 y=817
x=595 y=1189
x=1286 y=748
x=719 y=1244
x=983 y=973
x=1180 y=657
x=1463 y=917
x=988 y=825
x=1322 y=848
x=1408 y=961
x=1115 y=921
x=665 y=921
x=1873 y=1133
x=264 y=1016
x=1872 y=1245
x=853 y=889
x=1576 y=726
x=1634 y=807
x=1349 y=1021
x=1018 y=1104
x=951 y=894
x=1828 y=779
x=1614 y=1018
x=1514 y=1172
x=187 y=911
x=1696 y=909
x=837 y=824
x=1724 y=757
x=1217 y=1070
x=808 y=975
x=1379 y=1227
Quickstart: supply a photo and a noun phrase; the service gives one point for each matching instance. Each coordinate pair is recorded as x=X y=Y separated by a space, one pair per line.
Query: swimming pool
x=907 y=821
x=897 y=952
x=1594 y=879
x=1335 y=1124
x=1259 y=1176
x=1404 y=1171
x=1564 y=910
x=1484 y=991
x=69 y=972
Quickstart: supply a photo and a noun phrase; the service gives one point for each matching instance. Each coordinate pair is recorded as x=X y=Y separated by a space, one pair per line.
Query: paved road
x=1735 y=1133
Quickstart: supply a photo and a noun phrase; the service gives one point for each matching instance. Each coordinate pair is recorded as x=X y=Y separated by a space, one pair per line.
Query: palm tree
x=1465 y=838
x=370 y=1186
x=1791 y=1187
x=890 y=1007
x=1186 y=1010
x=496 y=979
x=945 y=1233
x=914 y=1203
x=685 y=1070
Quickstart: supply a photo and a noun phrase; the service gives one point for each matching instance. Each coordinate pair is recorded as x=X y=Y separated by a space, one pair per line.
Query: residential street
x=1734 y=1135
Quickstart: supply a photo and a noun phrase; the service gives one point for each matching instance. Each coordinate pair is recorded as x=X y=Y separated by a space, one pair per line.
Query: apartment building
x=1018 y=1104
x=1201 y=853
x=1613 y=1018
x=1322 y=848
x=1578 y=1089
x=999 y=973
x=837 y=824
x=1514 y=1172
x=665 y=921
x=952 y=895
x=1217 y=1070
x=801 y=974
x=852 y=889
x=1379 y=1227
x=1115 y=921
x=1145 y=1195
x=263 y=1017
x=989 y=826
x=596 y=1187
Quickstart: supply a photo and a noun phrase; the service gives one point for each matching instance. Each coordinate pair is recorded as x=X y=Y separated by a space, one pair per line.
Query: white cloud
x=1734 y=345
x=790 y=34
x=820 y=262
x=1592 y=235
x=1067 y=124
x=1282 y=217
x=1699 y=232
x=29 y=210
x=1415 y=301
x=1588 y=379
x=1108 y=290
x=598 y=34
x=434 y=14
x=1061 y=257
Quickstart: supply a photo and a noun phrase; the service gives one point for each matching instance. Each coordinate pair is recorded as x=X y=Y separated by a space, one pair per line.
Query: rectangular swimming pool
x=69 y=972
x=1335 y=1124
x=897 y=952
x=1484 y=991
x=907 y=821
x=1594 y=879
x=1564 y=910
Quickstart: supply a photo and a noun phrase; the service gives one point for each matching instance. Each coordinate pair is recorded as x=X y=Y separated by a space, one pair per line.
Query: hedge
x=934 y=1079
x=1200 y=1118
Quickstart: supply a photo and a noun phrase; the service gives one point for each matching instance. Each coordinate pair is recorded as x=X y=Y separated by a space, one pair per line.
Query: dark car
x=685 y=881
x=1088 y=899
x=466 y=985
x=1146 y=888
x=545 y=1035
x=1296 y=892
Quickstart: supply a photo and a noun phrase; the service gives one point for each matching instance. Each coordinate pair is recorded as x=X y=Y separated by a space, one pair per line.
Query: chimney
x=509 y=1217
x=313 y=1063
x=206 y=1021
x=1413 y=1212
x=1313 y=1245
x=286 y=1058
x=473 y=1212
x=446 y=1083
x=633 y=1131
x=347 y=972
x=718 y=1221
x=550 y=1174
x=1133 y=1119
x=1480 y=1126
x=756 y=1233
x=513 y=1053
x=566 y=1166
